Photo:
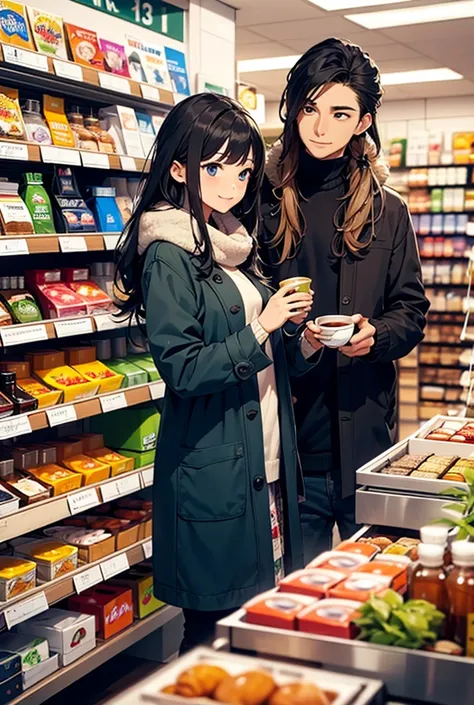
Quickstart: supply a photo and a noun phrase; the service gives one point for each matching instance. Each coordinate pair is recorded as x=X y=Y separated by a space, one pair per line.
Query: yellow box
x=53 y=559
x=118 y=463
x=68 y=380
x=38 y=390
x=91 y=469
x=60 y=479
x=61 y=133
x=97 y=373
x=17 y=576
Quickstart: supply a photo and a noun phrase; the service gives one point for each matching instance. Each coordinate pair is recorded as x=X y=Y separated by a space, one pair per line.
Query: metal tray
x=396 y=508
x=348 y=690
x=414 y=675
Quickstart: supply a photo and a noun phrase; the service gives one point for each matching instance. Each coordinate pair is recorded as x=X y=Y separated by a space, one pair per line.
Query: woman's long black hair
x=193 y=132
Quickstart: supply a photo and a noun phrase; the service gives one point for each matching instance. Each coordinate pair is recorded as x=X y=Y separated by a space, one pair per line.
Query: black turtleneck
x=321 y=184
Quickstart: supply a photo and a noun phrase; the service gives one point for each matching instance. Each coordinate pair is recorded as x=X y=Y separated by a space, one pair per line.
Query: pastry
x=381 y=541
x=439 y=436
x=200 y=681
x=169 y=690
x=454 y=475
x=427 y=474
x=409 y=461
x=397 y=470
x=299 y=694
x=251 y=688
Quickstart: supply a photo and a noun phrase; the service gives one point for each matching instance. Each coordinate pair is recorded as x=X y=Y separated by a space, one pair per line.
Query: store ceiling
x=267 y=28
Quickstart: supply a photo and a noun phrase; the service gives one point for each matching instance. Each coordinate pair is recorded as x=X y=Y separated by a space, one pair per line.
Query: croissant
x=299 y=694
x=169 y=690
x=200 y=681
x=252 y=688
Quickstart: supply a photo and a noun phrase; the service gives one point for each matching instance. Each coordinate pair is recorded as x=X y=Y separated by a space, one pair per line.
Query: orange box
x=395 y=572
x=365 y=549
x=111 y=605
x=330 y=617
x=117 y=463
x=91 y=470
x=60 y=479
x=277 y=609
x=314 y=582
x=66 y=449
x=360 y=586
x=90 y=441
x=342 y=561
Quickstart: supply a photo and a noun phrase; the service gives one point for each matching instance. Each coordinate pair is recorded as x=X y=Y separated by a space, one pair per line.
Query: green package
x=143 y=459
x=37 y=201
x=22 y=306
x=132 y=374
x=130 y=429
x=145 y=362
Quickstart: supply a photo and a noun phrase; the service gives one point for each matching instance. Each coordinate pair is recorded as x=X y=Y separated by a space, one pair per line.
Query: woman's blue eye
x=211 y=169
x=244 y=175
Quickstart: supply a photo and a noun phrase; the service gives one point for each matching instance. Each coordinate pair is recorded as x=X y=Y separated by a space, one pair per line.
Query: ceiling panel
x=412 y=34
x=251 y=12
x=326 y=27
x=262 y=49
x=246 y=36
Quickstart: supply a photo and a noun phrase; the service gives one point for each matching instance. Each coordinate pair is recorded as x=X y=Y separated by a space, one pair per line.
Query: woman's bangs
x=231 y=137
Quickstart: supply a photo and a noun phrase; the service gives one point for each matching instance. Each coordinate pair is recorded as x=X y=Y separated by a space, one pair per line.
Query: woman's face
x=329 y=119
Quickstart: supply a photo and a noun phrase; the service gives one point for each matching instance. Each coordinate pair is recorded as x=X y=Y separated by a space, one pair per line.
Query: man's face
x=329 y=119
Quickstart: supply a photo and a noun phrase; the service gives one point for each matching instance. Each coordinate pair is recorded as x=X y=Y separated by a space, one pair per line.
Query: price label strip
x=77 y=243
x=80 y=501
x=108 y=322
x=110 y=491
x=112 y=402
x=66 y=69
x=111 y=241
x=60 y=155
x=148 y=549
x=21 y=57
x=130 y=484
x=76 y=326
x=95 y=160
x=114 y=83
x=15 y=426
x=87 y=579
x=18 y=246
x=157 y=390
x=147 y=477
x=16 y=335
x=26 y=609
x=14 y=151
x=128 y=163
x=150 y=92
x=61 y=414
x=114 y=566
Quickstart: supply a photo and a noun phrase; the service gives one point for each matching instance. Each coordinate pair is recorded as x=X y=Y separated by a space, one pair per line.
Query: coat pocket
x=212 y=483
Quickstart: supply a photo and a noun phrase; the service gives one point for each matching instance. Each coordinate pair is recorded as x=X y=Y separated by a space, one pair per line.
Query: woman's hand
x=285 y=306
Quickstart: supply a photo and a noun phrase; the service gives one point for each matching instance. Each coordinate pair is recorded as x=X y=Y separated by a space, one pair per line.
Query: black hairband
x=363 y=162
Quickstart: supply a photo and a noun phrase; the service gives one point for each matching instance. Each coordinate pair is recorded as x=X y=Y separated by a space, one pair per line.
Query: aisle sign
x=114 y=566
x=87 y=579
x=15 y=426
x=26 y=609
x=155 y=15
x=14 y=151
x=61 y=414
x=73 y=326
x=17 y=246
x=16 y=335
x=80 y=501
x=112 y=402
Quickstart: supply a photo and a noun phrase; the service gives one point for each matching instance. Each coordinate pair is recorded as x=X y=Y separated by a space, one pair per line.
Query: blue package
x=105 y=209
x=10 y=665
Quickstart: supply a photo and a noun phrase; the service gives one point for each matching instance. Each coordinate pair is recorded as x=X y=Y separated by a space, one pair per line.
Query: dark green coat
x=212 y=545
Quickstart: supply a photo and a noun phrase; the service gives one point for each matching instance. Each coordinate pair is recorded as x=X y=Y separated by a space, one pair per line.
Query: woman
x=226 y=476
x=328 y=215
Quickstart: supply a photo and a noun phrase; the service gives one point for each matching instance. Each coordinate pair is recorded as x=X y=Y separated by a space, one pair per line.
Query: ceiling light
x=333 y=5
x=399 y=78
x=414 y=15
x=272 y=63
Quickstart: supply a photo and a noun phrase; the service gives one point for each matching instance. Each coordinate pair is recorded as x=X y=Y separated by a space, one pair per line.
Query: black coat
x=384 y=284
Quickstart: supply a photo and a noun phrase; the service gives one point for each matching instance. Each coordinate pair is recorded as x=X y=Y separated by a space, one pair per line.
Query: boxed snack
x=105 y=209
x=339 y=560
x=92 y=544
x=9 y=503
x=140 y=459
x=314 y=582
x=132 y=375
x=61 y=133
x=84 y=361
x=111 y=605
x=117 y=463
x=403 y=547
x=17 y=576
x=57 y=300
x=331 y=617
x=277 y=609
x=84 y=47
x=6 y=406
x=126 y=532
x=48 y=33
x=132 y=429
x=26 y=488
x=67 y=448
x=53 y=559
x=10 y=676
x=60 y=479
x=121 y=122
x=70 y=634
x=11 y=119
x=38 y=203
x=145 y=362
x=139 y=580
x=21 y=305
x=115 y=59
x=360 y=586
x=31 y=650
x=396 y=572
x=72 y=214
x=40 y=671
x=89 y=441
x=14 y=28
x=365 y=549
x=15 y=218
x=58 y=375
x=25 y=457
x=45 y=395
x=91 y=470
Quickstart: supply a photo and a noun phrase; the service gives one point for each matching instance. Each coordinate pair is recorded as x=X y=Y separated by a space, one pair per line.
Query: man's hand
x=311 y=335
x=363 y=341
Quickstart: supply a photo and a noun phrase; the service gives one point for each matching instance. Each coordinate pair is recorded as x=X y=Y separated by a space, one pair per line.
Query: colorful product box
x=14 y=28
x=116 y=462
x=140 y=581
x=132 y=429
x=342 y=561
x=48 y=33
x=66 y=632
x=330 y=617
x=17 y=576
x=360 y=587
x=10 y=676
x=45 y=395
x=112 y=607
x=31 y=650
x=394 y=572
x=60 y=479
x=55 y=115
x=53 y=559
x=11 y=118
x=115 y=59
x=279 y=610
x=40 y=671
x=55 y=373
x=56 y=299
x=91 y=470
x=98 y=373
x=132 y=375
x=140 y=460
x=316 y=582
x=365 y=549
x=146 y=363
x=92 y=295
x=84 y=46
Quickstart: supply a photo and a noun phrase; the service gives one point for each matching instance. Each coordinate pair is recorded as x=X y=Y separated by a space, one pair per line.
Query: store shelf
x=444 y=186
x=431 y=234
x=456 y=258
x=440 y=344
x=56 y=509
x=61 y=242
x=105 y=650
x=23 y=424
x=427 y=166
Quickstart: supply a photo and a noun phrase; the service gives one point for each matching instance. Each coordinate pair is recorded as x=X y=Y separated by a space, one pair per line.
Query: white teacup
x=336 y=331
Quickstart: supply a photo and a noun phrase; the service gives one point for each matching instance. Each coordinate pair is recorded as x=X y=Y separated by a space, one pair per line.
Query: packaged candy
x=11 y=120
x=73 y=216
x=14 y=27
x=38 y=203
x=48 y=33
x=61 y=132
x=84 y=47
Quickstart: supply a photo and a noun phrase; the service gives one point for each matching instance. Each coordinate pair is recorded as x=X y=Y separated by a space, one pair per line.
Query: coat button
x=217 y=278
x=234 y=309
x=243 y=369
x=252 y=414
x=346 y=418
x=346 y=301
x=258 y=483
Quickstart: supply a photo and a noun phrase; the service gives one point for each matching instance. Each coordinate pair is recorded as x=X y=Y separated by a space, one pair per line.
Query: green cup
x=301 y=285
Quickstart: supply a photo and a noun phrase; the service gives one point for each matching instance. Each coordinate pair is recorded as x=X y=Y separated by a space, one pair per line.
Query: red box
x=397 y=573
x=56 y=299
x=112 y=607
x=330 y=618
x=341 y=561
x=277 y=609
x=316 y=582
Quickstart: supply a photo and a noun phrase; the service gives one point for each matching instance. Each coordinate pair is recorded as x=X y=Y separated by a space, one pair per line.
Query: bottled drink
x=429 y=578
x=460 y=587
x=437 y=536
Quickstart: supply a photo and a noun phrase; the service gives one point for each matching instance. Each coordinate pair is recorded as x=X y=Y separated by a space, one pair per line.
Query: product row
x=433 y=148
x=448 y=176
x=442 y=332
x=441 y=376
x=445 y=301
x=440 y=224
x=441 y=200
x=445 y=356
x=443 y=273
x=41 y=31
x=434 y=393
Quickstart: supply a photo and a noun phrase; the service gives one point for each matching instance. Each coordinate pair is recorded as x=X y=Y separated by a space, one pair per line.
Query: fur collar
x=381 y=169
x=231 y=244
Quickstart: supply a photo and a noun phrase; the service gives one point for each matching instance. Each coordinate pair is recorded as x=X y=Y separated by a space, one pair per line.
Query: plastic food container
x=277 y=609
x=17 y=576
x=53 y=559
x=315 y=582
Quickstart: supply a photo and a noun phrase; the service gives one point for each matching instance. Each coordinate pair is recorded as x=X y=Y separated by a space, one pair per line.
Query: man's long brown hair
x=332 y=61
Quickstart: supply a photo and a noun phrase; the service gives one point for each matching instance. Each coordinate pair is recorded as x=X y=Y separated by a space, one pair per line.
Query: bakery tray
x=413 y=675
x=344 y=690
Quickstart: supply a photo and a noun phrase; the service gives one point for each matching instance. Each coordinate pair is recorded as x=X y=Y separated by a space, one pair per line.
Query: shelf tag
x=150 y=92
x=14 y=247
x=80 y=501
x=470 y=228
x=147 y=477
x=110 y=491
x=157 y=390
x=129 y=484
x=106 y=321
x=15 y=335
x=15 y=426
x=76 y=243
x=14 y=151
x=148 y=549
x=87 y=579
x=26 y=609
x=128 y=163
x=61 y=414
x=95 y=160
x=114 y=83
x=76 y=326
x=114 y=566
x=60 y=155
x=22 y=57
x=112 y=402
x=66 y=69
x=110 y=241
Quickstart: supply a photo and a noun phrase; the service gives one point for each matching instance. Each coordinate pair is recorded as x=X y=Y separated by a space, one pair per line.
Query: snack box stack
x=111 y=606
x=46 y=396
x=131 y=432
x=326 y=596
x=53 y=559
x=139 y=580
x=17 y=576
x=36 y=661
x=68 y=292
